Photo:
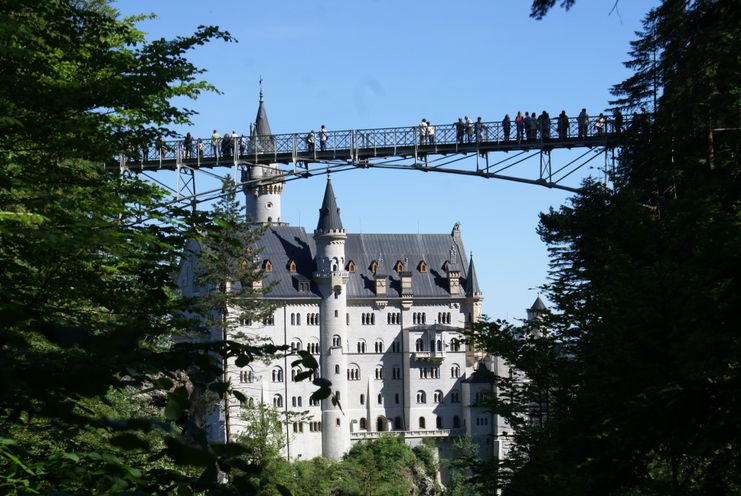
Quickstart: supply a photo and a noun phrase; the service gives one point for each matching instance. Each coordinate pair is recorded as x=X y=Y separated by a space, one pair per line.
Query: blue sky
x=387 y=63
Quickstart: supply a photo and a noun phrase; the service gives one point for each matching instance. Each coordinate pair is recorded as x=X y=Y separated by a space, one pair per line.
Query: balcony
x=428 y=356
x=413 y=434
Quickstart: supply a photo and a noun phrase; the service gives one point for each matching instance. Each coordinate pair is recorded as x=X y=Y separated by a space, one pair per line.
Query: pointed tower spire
x=329 y=214
x=472 y=284
x=262 y=126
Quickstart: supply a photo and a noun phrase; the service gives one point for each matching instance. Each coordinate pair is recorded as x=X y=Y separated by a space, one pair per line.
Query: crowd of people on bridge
x=527 y=128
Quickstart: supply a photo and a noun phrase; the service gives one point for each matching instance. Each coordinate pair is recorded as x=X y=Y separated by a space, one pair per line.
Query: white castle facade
x=383 y=314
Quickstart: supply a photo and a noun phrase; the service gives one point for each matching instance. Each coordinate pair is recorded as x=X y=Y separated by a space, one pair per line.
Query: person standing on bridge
x=526 y=124
x=617 y=121
x=562 y=127
x=479 y=127
x=311 y=141
x=469 y=129
x=201 y=147
x=599 y=124
x=430 y=133
x=423 y=132
x=519 y=126
x=215 y=140
x=323 y=139
x=460 y=130
x=583 y=123
x=533 y=126
x=188 y=145
x=544 y=125
x=506 y=124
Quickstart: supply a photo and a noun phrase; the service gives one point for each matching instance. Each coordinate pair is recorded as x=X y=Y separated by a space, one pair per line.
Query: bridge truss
x=487 y=150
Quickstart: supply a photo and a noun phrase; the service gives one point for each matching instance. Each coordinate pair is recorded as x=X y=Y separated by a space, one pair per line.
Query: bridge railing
x=296 y=145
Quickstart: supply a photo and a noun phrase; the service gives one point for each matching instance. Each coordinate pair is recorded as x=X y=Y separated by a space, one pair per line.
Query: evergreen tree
x=641 y=360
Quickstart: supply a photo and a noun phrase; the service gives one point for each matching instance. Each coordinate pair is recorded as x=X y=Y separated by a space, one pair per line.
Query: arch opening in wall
x=363 y=424
x=422 y=423
x=382 y=424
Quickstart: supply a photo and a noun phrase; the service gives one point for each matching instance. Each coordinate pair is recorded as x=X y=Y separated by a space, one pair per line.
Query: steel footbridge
x=493 y=150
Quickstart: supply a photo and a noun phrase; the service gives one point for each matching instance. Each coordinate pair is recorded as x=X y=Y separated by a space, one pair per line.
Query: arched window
x=278 y=401
x=336 y=369
x=456 y=422
x=291 y=266
x=455 y=396
x=379 y=372
x=246 y=375
x=361 y=346
x=267 y=266
x=380 y=399
x=439 y=422
x=363 y=424
x=277 y=374
x=362 y=399
x=399 y=266
x=296 y=345
x=397 y=423
x=353 y=372
x=421 y=397
x=455 y=345
x=313 y=347
x=422 y=267
x=439 y=345
x=437 y=396
x=379 y=346
x=422 y=423
x=336 y=341
x=419 y=345
x=293 y=319
x=455 y=371
x=351 y=266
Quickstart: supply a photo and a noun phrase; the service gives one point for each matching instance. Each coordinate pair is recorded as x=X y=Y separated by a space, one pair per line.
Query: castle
x=382 y=313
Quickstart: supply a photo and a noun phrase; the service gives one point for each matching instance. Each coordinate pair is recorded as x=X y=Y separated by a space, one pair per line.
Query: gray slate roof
x=473 y=287
x=329 y=214
x=283 y=243
x=538 y=304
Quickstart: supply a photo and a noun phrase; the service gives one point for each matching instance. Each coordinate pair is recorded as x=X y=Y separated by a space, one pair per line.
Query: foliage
x=637 y=379
x=461 y=480
x=87 y=300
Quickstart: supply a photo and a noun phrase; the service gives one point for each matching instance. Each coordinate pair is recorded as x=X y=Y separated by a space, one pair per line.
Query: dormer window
x=374 y=266
x=292 y=266
x=399 y=266
x=267 y=266
x=422 y=267
x=445 y=265
x=351 y=266
x=244 y=264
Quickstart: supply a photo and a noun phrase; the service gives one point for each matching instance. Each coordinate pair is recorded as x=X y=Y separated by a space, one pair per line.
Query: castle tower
x=331 y=279
x=535 y=317
x=264 y=183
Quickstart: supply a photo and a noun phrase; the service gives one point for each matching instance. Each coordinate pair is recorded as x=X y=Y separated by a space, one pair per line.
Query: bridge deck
x=359 y=146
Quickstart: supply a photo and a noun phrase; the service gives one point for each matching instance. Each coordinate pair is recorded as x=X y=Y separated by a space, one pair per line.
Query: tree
x=87 y=299
x=641 y=358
